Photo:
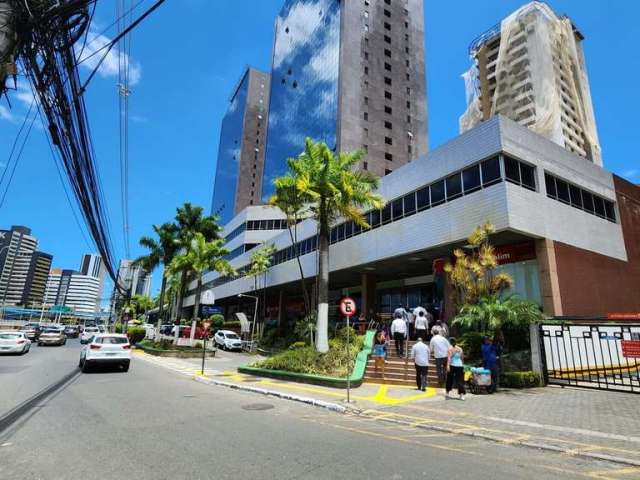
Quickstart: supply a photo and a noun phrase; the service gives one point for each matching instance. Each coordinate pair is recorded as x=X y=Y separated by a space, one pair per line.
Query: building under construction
x=531 y=68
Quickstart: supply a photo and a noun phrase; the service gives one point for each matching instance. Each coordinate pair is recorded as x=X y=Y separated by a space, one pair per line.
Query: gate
x=590 y=354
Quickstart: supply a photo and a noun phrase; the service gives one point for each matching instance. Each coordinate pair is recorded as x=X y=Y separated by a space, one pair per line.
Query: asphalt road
x=153 y=424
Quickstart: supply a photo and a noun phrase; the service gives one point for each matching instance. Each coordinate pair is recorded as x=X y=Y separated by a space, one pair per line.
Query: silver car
x=52 y=336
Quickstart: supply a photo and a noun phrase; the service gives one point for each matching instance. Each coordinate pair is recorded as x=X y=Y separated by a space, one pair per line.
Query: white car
x=14 y=342
x=106 y=348
x=88 y=333
x=228 y=340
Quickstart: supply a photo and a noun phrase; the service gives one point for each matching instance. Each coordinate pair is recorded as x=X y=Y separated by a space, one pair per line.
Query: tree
x=202 y=256
x=140 y=304
x=472 y=275
x=331 y=187
x=292 y=203
x=190 y=221
x=492 y=313
x=261 y=259
x=161 y=251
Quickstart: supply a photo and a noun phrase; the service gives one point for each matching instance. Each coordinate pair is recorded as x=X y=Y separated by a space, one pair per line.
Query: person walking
x=440 y=327
x=379 y=351
x=399 y=332
x=440 y=348
x=455 y=369
x=421 y=324
x=490 y=354
x=420 y=353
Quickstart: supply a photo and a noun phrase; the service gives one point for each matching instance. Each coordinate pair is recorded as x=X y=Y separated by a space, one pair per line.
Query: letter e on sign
x=347 y=306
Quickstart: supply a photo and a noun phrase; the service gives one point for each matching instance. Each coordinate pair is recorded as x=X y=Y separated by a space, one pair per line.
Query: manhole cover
x=257 y=406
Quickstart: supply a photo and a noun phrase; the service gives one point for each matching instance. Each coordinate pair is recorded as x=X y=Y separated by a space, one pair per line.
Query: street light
x=255 y=315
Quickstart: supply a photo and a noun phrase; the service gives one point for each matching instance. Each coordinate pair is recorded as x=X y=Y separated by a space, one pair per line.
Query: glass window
x=357 y=229
x=491 y=171
x=550 y=184
x=511 y=169
x=471 y=179
x=396 y=208
x=386 y=213
x=375 y=218
x=437 y=193
x=610 y=210
x=587 y=202
x=598 y=203
x=454 y=186
x=527 y=175
x=334 y=235
x=563 y=190
x=576 y=197
x=348 y=229
x=422 y=197
x=410 y=204
x=340 y=229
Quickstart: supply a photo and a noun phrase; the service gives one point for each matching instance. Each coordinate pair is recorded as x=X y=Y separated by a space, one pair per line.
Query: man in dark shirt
x=490 y=359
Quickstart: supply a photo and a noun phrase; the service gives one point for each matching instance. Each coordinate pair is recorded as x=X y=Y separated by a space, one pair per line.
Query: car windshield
x=232 y=336
x=112 y=340
x=9 y=336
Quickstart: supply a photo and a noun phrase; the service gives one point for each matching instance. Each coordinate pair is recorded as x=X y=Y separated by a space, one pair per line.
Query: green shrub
x=136 y=334
x=197 y=345
x=297 y=345
x=337 y=362
x=217 y=321
x=471 y=344
x=118 y=327
x=232 y=324
x=527 y=379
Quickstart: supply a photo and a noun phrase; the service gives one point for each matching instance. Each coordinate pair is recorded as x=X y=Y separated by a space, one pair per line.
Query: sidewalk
x=587 y=423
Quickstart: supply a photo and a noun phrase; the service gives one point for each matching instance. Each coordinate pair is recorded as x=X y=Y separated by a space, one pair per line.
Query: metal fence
x=594 y=354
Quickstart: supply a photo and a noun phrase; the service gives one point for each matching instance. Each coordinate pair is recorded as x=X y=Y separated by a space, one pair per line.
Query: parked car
x=14 y=342
x=72 y=331
x=52 y=336
x=227 y=340
x=104 y=349
x=32 y=331
x=88 y=333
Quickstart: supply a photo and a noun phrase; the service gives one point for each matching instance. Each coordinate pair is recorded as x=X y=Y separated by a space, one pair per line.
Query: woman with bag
x=379 y=350
x=455 y=369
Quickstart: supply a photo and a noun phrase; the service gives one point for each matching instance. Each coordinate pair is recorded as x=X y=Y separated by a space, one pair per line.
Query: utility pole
x=7 y=42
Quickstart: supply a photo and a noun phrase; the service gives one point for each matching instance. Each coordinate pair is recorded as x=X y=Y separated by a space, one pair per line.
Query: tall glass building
x=350 y=74
x=241 y=148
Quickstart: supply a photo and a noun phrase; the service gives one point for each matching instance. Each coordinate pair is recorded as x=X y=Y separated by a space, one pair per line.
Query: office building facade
x=37 y=277
x=531 y=68
x=350 y=74
x=242 y=146
x=576 y=253
x=70 y=288
x=20 y=266
x=92 y=265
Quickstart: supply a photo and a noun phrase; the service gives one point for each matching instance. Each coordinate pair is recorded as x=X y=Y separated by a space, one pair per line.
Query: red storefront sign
x=518 y=252
x=623 y=316
x=630 y=348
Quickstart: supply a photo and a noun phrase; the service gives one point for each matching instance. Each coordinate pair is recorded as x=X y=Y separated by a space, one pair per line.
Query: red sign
x=630 y=348
x=518 y=252
x=348 y=306
x=623 y=316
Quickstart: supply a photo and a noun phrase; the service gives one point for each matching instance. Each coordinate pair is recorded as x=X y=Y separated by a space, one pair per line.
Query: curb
x=334 y=407
x=521 y=443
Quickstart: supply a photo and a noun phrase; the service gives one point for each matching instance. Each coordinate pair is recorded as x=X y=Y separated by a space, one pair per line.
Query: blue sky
x=188 y=56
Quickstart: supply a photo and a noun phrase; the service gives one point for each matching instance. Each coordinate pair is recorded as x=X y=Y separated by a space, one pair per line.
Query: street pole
x=348 y=363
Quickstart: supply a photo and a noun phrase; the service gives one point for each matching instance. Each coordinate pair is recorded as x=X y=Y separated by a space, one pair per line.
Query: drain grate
x=257 y=406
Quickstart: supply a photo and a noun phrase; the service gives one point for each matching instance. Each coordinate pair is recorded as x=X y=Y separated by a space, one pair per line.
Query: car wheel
x=85 y=366
x=39 y=344
x=80 y=363
x=125 y=367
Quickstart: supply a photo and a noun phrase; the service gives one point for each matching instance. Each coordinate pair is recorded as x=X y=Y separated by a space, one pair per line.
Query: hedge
x=527 y=379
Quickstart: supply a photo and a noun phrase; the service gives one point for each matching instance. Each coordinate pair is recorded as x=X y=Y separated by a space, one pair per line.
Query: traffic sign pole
x=348 y=308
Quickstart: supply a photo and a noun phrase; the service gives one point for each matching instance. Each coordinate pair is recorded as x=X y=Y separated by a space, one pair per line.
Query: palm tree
x=161 y=251
x=202 y=256
x=190 y=221
x=332 y=188
x=292 y=203
x=261 y=260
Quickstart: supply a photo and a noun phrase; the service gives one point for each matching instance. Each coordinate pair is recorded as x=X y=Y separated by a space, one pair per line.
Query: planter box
x=177 y=353
x=356 y=375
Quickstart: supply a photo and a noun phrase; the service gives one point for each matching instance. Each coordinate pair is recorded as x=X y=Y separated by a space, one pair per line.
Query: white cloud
x=5 y=114
x=323 y=65
x=631 y=173
x=301 y=20
x=109 y=67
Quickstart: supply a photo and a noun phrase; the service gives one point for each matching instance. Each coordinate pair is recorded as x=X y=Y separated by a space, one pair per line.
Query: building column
x=549 y=282
x=281 y=317
x=369 y=295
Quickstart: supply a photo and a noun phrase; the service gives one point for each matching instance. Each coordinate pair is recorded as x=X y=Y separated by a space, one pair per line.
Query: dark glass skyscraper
x=351 y=74
x=241 y=148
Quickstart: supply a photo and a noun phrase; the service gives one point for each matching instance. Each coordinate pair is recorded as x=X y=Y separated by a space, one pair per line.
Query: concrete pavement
x=154 y=424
